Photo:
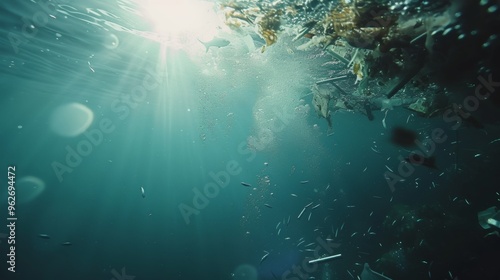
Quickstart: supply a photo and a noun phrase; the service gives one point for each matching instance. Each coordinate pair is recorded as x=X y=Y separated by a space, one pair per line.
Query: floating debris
x=264 y=257
x=496 y=140
x=44 y=236
x=301 y=212
x=325 y=259
x=388 y=168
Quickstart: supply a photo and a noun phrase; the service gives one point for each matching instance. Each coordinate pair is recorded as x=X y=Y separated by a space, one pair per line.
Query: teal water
x=96 y=104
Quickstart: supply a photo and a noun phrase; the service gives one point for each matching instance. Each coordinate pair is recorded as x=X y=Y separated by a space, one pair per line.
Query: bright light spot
x=178 y=19
x=72 y=119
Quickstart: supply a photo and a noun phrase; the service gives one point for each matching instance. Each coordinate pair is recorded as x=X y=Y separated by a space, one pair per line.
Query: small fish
x=294 y=195
x=142 y=193
x=308 y=205
x=277 y=226
x=309 y=218
x=215 y=42
x=245 y=184
x=44 y=236
x=315 y=206
x=304 y=182
x=67 y=244
x=267 y=205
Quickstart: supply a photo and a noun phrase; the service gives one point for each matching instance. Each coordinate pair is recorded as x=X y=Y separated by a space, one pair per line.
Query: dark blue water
x=97 y=103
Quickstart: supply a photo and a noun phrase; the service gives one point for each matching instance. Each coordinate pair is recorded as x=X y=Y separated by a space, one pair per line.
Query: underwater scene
x=250 y=140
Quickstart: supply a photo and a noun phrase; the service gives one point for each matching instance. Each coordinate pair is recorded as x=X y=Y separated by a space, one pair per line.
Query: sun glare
x=174 y=19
